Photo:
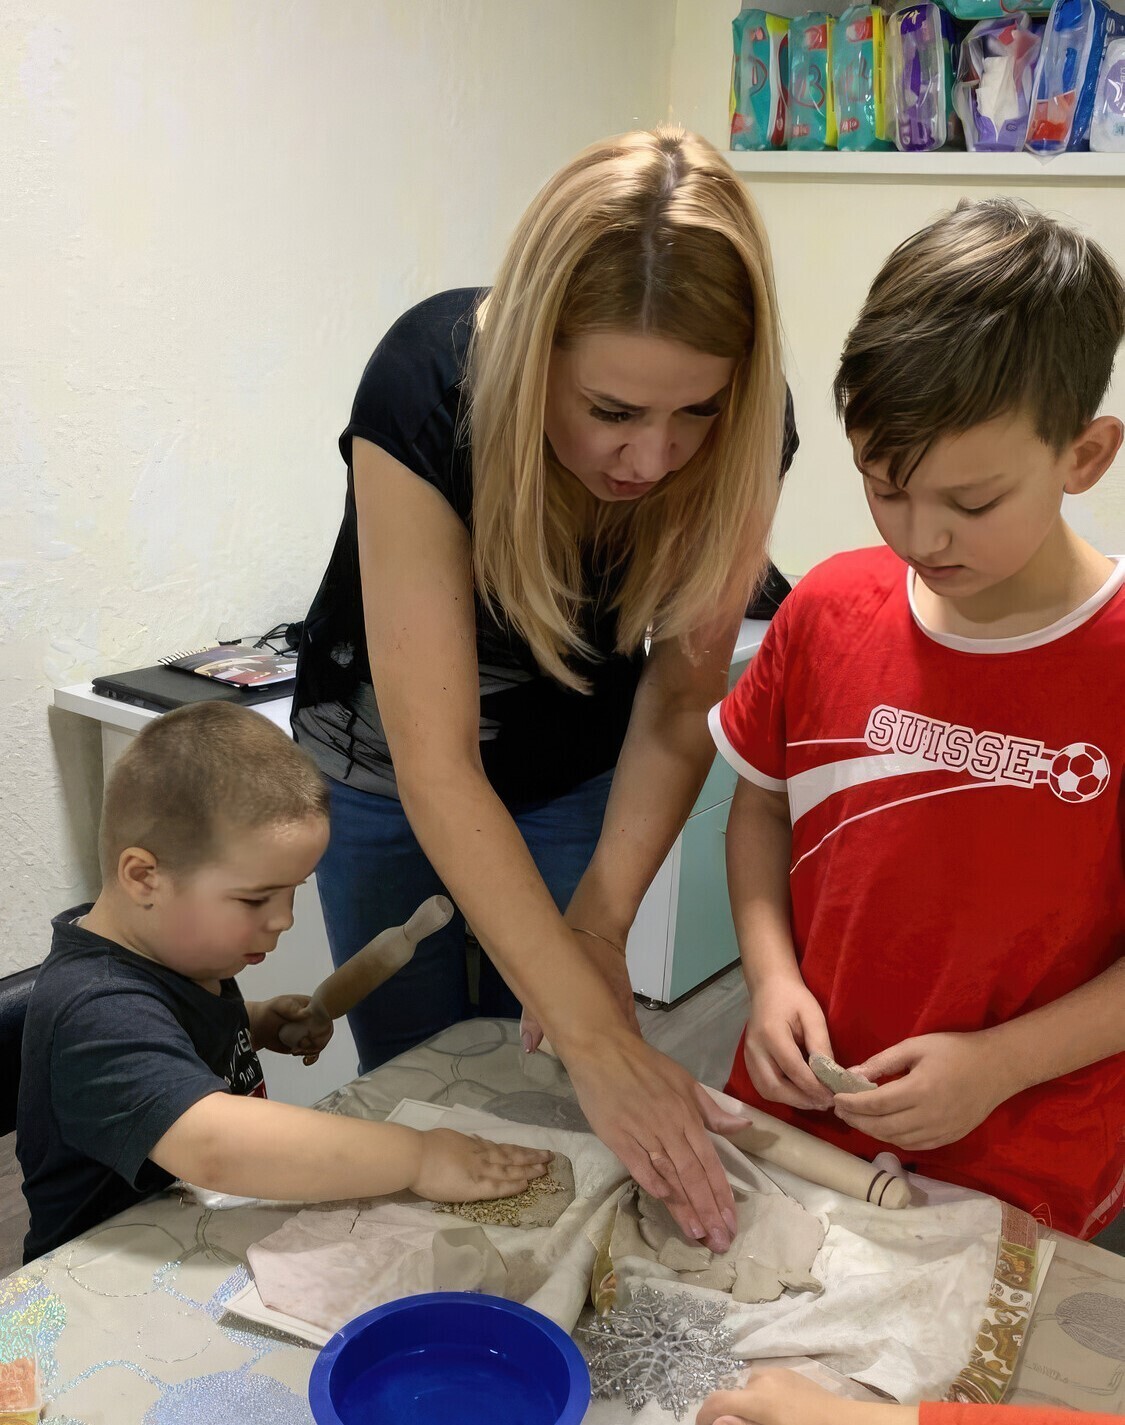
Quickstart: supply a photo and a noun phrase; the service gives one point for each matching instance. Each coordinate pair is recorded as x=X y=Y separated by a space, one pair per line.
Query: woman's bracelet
x=604 y=938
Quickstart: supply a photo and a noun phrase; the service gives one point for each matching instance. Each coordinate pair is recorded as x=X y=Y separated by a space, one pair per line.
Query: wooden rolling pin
x=814 y=1160
x=367 y=969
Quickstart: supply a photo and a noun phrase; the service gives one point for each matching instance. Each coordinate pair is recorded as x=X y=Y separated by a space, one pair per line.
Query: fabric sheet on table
x=907 y=1301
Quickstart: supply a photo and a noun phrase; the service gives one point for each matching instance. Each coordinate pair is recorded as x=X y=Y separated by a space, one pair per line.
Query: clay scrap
x=835 y=1077
x=541 y=1203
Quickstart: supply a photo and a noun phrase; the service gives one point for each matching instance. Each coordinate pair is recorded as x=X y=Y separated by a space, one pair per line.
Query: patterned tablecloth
x=129 y=1321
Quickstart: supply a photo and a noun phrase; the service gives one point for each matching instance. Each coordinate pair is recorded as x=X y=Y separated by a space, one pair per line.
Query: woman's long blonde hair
x=648 y=233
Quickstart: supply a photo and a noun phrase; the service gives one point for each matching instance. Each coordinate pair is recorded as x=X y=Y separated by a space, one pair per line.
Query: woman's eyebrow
x=609 y=400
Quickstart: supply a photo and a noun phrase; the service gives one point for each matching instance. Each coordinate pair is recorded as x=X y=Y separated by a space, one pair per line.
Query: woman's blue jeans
x=374 y=874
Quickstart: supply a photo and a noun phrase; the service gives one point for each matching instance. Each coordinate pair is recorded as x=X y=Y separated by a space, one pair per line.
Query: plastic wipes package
x=857 y=79
x=973 y=10
x=995 y=79
x=1107 y=127
x=1066 y=78
x=921 y=46
x=812 y=114
x=759 y=85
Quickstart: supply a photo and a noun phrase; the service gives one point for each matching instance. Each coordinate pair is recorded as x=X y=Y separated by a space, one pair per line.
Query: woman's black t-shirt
x=538 y=739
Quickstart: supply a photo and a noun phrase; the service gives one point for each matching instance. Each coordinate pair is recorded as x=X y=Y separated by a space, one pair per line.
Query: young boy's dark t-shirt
x=116 y=1048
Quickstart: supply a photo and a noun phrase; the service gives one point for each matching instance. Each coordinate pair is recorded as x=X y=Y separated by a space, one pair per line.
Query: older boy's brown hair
x=993 y=309
x=198 y=772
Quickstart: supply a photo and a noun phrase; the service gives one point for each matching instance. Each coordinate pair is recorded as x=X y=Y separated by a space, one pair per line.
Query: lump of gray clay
x=835 y=1077
x=529 y=1208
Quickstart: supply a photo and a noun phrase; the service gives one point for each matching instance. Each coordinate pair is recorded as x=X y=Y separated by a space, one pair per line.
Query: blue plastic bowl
x=450 y=1355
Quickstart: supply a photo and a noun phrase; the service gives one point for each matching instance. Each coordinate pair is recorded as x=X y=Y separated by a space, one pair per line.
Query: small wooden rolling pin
x=810 y=1158
x=367 y=969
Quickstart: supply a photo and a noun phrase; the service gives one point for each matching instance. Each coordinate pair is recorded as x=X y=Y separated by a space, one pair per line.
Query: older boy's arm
x=1079 y=1029
x=951 y=1082
x=786 y=1023
x=251 y=1147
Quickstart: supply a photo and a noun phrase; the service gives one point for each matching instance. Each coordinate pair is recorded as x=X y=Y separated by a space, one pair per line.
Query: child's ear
x=137 y=875
x=1092 y=453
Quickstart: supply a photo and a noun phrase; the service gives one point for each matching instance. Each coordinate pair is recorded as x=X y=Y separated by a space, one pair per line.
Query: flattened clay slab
x=541 y=1204
x=684 y=1256
x=719 y=1276
x=465 y=1260
x=835 y=1077
x=755 y=1281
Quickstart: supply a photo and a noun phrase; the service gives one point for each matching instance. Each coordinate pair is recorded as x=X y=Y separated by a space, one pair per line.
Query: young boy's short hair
x=197 y=771
x=993 y=309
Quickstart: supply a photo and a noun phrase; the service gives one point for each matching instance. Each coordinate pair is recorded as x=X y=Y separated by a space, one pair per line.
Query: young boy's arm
x=952 y=1082
x=785 y=1018
x=252 y=1147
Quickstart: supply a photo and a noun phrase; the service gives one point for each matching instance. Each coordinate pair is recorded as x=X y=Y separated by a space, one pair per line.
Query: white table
x=129 y=1319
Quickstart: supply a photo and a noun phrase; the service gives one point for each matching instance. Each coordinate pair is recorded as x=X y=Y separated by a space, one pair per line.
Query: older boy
x=139 y=1053
x=925 y=851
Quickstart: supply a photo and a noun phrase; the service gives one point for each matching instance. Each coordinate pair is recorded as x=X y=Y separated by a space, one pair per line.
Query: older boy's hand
x=785 y=1019
x=779 y=1397
x=267 y=1017
x=950 y=1084
x=454 y=1167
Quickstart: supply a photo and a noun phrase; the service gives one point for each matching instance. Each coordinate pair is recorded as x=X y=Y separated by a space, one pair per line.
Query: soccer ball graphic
x=1079 y=772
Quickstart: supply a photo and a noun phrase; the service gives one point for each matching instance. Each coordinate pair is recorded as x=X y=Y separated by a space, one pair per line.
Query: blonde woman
x=538 y=476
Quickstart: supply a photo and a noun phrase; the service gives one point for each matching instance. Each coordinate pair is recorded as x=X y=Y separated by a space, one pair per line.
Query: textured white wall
x=829 y=238
x=211 y=212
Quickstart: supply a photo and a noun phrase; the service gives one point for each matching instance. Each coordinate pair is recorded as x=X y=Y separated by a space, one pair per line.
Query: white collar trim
x=1036 y=639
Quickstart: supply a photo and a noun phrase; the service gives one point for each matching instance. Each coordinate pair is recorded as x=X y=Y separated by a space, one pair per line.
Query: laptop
x=161 y=688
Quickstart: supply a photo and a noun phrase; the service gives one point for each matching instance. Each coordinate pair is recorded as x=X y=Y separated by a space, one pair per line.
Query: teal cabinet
x=703 y=938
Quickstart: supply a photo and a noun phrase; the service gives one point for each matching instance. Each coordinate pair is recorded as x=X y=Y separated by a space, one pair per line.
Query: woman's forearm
x=476 y=848
x=665 y=760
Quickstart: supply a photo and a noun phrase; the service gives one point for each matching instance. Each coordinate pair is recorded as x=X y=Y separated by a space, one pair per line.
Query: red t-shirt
x=917 y=907
x=930 y=1413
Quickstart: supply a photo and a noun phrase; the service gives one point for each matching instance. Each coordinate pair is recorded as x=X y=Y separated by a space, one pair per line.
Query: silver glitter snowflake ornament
x=672 y=1348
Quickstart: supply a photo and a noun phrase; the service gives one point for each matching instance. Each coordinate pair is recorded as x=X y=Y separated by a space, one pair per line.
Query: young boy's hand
x=267 y=1017
x=950 y=1083
x=785 y=1019
x=454 y=1167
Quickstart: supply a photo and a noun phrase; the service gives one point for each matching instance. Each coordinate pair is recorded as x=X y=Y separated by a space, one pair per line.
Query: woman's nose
x=651 y=454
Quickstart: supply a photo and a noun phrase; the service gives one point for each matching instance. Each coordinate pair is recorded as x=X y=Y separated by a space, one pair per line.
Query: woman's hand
x=608 y=958
x=457 y=1167
x=655 y=1117
x=786 y=1023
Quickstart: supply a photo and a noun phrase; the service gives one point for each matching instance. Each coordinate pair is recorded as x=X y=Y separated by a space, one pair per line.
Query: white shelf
x=945 y=163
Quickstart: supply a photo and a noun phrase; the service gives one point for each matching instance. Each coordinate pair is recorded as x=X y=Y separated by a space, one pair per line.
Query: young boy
x=925 y=849
x=139 y=1062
